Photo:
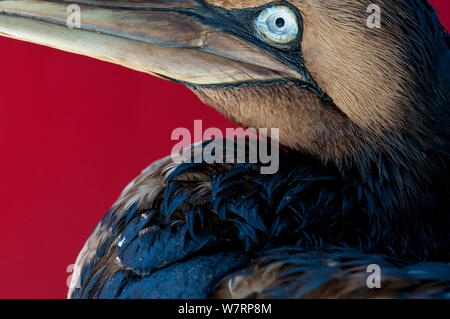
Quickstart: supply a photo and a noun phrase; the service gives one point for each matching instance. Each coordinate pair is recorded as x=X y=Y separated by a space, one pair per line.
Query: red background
x=73 y=132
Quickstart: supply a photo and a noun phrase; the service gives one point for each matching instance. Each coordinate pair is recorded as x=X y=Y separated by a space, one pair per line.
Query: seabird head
x=335 y=87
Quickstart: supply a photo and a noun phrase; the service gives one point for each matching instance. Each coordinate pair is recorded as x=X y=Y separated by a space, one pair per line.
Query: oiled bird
x=363 y=114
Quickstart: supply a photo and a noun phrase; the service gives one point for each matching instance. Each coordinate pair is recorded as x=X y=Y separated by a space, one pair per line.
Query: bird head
x=336 y=88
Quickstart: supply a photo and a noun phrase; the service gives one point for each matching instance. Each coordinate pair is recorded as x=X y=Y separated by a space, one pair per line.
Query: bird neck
x=408 y=181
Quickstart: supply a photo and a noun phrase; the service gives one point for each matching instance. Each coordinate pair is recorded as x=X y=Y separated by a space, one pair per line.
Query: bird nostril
x=280 y=22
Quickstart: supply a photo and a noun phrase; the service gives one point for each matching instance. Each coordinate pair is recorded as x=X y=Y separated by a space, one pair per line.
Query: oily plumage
x=292 y=272
x=308 y=226
x=364 y=173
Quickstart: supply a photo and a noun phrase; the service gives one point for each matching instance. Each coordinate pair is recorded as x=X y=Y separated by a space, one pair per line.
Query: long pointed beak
x=167 y=38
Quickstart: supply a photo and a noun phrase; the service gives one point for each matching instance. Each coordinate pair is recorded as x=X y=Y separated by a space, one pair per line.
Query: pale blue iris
x=278 y=24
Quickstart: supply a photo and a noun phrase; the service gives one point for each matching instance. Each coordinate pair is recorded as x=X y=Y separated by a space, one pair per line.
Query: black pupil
x=279 y=22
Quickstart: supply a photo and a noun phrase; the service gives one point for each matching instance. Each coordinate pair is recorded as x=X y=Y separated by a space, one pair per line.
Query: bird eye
x=278 y=24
